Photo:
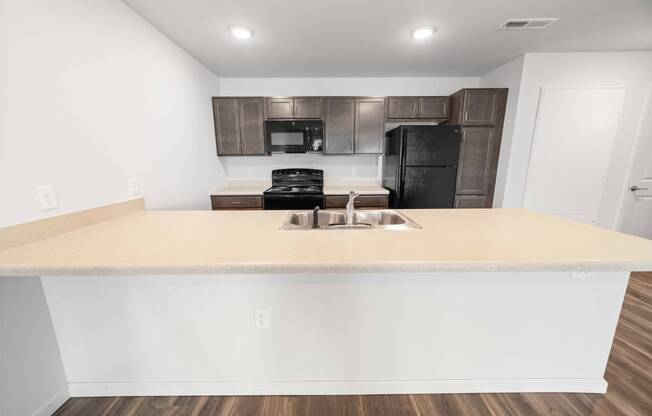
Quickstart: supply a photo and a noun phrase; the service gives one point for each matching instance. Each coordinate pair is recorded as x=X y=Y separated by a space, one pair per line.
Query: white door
x=638 y=201
x=571 y=149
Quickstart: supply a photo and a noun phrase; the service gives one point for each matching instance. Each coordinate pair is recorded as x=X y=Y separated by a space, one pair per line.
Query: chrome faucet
x=350 y=207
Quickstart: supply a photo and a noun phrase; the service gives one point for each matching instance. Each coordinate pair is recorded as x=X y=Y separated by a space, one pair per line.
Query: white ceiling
x=371 y=37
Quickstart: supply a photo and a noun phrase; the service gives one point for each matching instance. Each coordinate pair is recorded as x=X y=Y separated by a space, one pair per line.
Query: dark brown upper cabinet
x=278 y=107
x=434 y=107
x=369 y=124
x=339 y=125
x=408 y=108
x=308 y=107
x=239 y=126
x=478 y=106
x=402 y=107
x=293 y=107
x=252 y=127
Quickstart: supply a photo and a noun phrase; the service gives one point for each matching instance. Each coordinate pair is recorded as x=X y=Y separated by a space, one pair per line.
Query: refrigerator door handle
x=399 y=184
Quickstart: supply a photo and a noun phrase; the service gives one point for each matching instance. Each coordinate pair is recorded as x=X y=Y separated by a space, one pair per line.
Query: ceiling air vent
x=535 y=23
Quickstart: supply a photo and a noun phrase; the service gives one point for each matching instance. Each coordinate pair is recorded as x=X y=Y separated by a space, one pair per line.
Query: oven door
x=288 y=201
x=287 y=137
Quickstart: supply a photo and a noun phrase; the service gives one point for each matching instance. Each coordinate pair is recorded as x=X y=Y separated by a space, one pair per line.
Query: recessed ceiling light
x=423 y=32
x=241 y=32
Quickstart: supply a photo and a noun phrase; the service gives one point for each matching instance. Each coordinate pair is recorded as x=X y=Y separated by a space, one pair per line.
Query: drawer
x=237 y=202
x=471 y=201
x=363 y=201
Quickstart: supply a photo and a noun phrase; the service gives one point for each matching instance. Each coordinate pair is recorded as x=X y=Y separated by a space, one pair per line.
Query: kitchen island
x=198 y=302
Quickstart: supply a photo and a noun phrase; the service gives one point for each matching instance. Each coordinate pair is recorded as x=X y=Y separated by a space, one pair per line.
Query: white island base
x=357 y=333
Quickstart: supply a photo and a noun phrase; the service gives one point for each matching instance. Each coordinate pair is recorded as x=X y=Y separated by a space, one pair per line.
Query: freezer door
x=428 y=187
x=432 y=145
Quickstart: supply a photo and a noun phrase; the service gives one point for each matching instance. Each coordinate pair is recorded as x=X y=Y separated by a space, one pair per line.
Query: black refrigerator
x=420 y=166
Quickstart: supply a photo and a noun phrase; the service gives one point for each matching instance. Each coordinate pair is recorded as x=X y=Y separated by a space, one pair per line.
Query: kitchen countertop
x=330 y=188
x=189 y=242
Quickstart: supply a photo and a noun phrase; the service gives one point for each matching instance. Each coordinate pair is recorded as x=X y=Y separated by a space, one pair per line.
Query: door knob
x=635 y=188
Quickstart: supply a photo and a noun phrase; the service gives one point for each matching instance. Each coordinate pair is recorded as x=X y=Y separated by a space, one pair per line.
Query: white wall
x=32 y=378
x=344 y=86
x=505 y=76
x=93 y=95
x=365 y=166
x=340 y=333
x=631 y=70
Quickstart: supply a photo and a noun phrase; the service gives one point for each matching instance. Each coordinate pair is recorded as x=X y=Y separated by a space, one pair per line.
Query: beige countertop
x=334 y=188
x=187 y=242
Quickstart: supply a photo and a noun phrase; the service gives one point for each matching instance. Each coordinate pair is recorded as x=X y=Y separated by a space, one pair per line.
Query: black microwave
x=294 y=136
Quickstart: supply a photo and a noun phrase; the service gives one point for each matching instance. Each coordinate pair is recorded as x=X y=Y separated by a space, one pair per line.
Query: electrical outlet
x=261 y=316
x=582 y=275
x=251 y=173
x=133 y=187
x=47 y=198
x=354 y=172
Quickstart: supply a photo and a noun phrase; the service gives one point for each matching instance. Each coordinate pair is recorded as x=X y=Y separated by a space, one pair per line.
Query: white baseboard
x=243 y=388
x=54 y=403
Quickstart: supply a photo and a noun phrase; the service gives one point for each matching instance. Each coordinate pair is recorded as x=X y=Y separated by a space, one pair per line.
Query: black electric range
x=295 y=189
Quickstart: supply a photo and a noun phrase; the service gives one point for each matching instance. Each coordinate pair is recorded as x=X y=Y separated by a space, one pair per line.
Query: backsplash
x=334 y=167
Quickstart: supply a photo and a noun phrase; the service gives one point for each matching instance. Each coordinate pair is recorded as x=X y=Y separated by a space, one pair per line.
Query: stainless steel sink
x=385 y=219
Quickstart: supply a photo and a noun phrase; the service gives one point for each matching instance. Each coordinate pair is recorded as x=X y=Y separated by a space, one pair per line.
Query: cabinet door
x=480 y=107
x=433 y=107
x=471 y=201
x=473 y=170
x=402 y=107
x=339 y=116
x=280 y=107
x=227 y=126
x=252 y=136
x=308 y=107
x=369 y=125
x=361 y=202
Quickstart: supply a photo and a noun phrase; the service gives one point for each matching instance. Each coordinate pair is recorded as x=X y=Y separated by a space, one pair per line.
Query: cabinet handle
x=466 y=116
x=236 y=202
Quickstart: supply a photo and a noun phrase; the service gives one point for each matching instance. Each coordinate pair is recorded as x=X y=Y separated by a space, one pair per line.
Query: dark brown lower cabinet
x=471 y=201
x=361 y=202
x=236 y=202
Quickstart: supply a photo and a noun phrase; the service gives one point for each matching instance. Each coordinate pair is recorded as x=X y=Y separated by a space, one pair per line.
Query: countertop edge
x=272 y=268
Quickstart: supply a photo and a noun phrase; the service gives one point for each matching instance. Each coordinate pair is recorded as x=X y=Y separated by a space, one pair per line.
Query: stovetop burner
x=308 y=189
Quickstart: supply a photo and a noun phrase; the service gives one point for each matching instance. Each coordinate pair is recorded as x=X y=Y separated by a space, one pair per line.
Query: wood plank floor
x=629 y=374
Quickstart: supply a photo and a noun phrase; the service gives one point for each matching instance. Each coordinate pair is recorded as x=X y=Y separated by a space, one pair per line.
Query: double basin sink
x=336 y=219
